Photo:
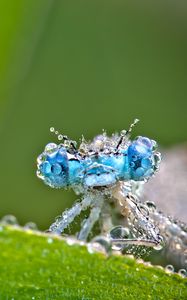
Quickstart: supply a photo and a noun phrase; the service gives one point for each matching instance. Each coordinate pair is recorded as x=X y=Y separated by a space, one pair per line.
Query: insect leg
x=89 y=222
x=136 y=241
x=93 y=217
x=106 y=219
x=69 y=215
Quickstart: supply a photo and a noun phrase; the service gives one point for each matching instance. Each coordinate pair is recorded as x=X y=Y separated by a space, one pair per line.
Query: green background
x=81 y=66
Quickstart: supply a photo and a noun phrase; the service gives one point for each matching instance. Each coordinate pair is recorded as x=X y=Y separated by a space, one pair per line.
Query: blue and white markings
x=95 y=169
x=103 y=162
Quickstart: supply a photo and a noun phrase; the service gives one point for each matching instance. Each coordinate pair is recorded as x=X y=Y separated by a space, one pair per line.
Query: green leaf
x=34 y=265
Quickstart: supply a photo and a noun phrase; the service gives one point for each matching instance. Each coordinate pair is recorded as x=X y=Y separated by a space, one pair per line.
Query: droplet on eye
x=45 y=168
x=139 y=172
x=146 y=163
x=146 y=141
x=51 y=147
x=56 y=169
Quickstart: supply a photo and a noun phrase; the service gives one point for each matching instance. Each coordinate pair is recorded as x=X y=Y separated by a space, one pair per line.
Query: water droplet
x=139 y=171
x=70 y=241
x=169 y=268
x=9 y=220
x=143 y=252
x=100 y=244
x=154 y=144
x=161 y=244
x=50 y=240
x=50 y=148
x=151 y=205
x=174 y=229
x=40 y=158
x=60 y=137
x=144 y=210
x=158 y=247
x=52 y=129
x=119 y=232
x=31 y=225
x=182 y=272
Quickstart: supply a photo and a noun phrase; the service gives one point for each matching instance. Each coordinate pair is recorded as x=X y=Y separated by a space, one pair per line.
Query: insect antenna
x=126 y=133
x=63 y=137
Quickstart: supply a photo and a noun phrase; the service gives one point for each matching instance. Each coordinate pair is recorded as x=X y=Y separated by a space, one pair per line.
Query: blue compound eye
x=53 y=166
x=141 y=156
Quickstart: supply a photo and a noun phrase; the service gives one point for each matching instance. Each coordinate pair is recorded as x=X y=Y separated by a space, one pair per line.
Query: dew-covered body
x=107 y=167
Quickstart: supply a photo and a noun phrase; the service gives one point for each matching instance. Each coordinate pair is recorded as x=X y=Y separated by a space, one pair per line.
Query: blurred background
x=81 y=66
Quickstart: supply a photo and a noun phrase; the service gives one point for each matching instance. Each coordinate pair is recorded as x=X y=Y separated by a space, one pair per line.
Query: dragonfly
x=109 y=169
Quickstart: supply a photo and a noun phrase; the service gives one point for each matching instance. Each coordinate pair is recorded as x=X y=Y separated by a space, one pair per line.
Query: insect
x=107 y=171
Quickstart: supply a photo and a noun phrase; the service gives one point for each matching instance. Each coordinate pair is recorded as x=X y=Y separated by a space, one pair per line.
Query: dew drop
x=50 y=148
x=70 y=241
x=143 y=252
x=154 y=144
x=60 y=137
x=31 y=225
x=119 y=232
x=52 y=129
x=174 y=229
x=100 y=244
x=151 y=205
x=40 y=158
x=169 y=268
x=160 y=245
x=144 y=210
x=9 y=220
x=139 y=171
x=182 y=272
x=49 y=240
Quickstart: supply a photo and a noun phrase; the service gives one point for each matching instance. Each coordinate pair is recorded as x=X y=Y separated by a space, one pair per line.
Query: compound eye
x=142 y=158
x=53 y=166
